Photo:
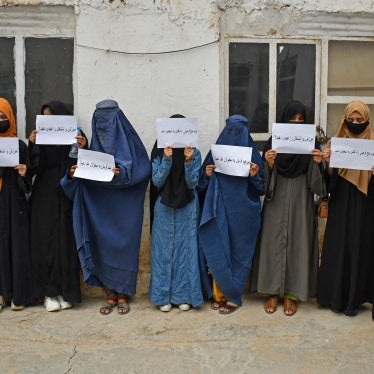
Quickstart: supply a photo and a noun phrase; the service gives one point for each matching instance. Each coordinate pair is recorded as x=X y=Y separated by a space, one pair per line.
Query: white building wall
x=160 y=57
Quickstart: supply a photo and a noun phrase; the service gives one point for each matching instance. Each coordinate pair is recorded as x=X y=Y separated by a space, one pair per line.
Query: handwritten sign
x=94 y=165
x=56 y=129
x=293 y=138
x=9 y=152
x=350 y=153
x=177 y=132
x=232 y=160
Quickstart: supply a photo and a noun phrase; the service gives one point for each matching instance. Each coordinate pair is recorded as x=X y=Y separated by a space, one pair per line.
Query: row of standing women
x=207 y=227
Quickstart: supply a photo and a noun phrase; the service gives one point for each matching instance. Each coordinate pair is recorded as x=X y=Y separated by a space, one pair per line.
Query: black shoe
x=351 y=313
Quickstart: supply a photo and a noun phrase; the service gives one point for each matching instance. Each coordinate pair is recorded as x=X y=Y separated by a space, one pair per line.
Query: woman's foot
x=215 y=305
x=64 y=304
x=289 y=307
x=228 y=308
x=271 y=304
x=107 y=308
x=51 y=304
x=123 y=304
x=165 y=308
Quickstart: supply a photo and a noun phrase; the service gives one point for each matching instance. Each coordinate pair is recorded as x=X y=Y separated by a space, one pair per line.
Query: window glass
x=334 y=116
x=48 y=74
x=296 y=65
x=249 y=83
x=350 y=71
x=7 y=75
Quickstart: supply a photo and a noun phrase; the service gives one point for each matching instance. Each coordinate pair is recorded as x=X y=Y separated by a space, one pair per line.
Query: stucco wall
x=159 y=57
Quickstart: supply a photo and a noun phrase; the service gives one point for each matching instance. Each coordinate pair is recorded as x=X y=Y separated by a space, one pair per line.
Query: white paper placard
x=348 y=153
x=232 y=160
x=53 y=129
x=94 y=165
x=9 y=152
x=294 y=138
x=177 y=132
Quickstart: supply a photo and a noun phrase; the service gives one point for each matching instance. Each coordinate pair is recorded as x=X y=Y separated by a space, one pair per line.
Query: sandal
x=215 y=305
x=271 y=304
x=107 y=308
x=289 y=307
x=123 y=304
x=228 y=308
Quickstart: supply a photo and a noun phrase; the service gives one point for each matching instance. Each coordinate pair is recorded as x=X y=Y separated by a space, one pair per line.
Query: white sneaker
x=64 y=304
x=51 y=304
x=165 y=308
x=16 y=307
x=2 y=303
x=185 y=307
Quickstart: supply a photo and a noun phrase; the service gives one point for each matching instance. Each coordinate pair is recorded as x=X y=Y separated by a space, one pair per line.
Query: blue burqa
x=108 y=216
x=231 y=215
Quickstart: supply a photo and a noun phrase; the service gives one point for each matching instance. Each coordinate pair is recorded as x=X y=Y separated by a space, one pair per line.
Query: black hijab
x=175 y=193
x=58 y=108
x=291 y=165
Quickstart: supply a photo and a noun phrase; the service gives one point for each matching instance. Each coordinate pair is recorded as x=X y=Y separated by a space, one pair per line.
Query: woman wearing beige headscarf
x=346 y=277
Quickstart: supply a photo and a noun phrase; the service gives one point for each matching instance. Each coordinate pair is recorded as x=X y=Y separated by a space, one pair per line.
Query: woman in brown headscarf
x=14 y=221
x=346 y=277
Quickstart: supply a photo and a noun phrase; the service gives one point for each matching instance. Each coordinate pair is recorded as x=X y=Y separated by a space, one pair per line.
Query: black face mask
x=356 y=128
x=4 y=125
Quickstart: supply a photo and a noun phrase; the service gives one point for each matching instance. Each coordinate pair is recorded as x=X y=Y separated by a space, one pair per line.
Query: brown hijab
x=360 y=178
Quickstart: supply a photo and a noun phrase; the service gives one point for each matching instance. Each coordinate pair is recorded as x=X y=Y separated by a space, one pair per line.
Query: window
x=263 y=77
x=37 y=55
x=48 y=74
x=7 y=71
x=350 y=76
x=324 y=74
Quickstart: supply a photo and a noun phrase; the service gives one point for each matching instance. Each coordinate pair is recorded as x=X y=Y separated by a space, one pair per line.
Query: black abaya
x=15 y=269
x=346 y=277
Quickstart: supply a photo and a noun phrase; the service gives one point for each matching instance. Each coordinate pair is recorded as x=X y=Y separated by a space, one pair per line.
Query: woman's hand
x=81 y=141
x=270 y=157
x=72 y=171
x=116 y=171
x=21 y=169
x=326 y=155
x=168 y=151
x=32 y=136
x=209 y=170
x=317 y=155
x=188 y=153
x=253 y=169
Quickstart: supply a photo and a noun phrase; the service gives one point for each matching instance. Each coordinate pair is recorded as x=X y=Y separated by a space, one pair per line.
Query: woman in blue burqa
x=230 y=220
x=108 y=216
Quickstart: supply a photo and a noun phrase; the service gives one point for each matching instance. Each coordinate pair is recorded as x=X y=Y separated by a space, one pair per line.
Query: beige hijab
x=360 y=178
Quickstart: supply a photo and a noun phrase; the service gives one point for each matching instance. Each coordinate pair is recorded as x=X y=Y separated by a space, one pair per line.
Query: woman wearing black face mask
x=346 y=277
x=14 y=221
